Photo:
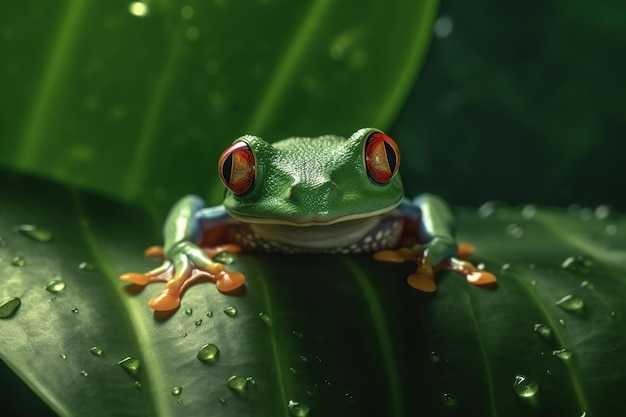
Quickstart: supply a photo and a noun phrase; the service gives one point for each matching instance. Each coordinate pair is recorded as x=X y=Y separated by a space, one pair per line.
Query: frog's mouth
x=317 y=237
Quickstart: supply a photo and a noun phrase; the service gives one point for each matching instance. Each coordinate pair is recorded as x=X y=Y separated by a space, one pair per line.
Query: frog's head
x=311 y=181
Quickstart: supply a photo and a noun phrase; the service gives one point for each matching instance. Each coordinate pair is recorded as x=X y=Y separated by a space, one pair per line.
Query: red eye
x=382 y=158
x=236 y=168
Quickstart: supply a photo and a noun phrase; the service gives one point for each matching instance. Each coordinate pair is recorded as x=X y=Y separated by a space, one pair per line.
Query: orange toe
x=422 y=282
x=164 y=301
x=481 y=278
x=135 y=278
x=389 y=256
x=230 y=281
x=154 y=251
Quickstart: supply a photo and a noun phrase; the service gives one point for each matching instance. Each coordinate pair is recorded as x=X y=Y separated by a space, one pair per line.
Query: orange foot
x=424 y=277
x=189 y=265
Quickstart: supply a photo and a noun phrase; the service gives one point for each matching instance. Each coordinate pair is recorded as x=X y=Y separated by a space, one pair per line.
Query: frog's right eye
x=237 y=168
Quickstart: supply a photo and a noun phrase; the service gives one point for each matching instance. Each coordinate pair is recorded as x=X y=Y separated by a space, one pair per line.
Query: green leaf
x=345 y=334
x=137 y=100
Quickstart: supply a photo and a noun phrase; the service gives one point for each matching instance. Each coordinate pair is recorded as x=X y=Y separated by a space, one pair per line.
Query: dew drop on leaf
x=230 y=311
x=448 y=399
x=486 y=210
x=18 y=261
x=176 y=391
x=84 y=373
x=37 y=234
x=543 y=330
x=198 y=322
x=251 y=380
x=434 y=357
x=139 y=9
x=130 y=365
x=137 y=384
x=265 y=318
x=224 y=257
x=515 y=230
x=9 y=307
x=96 y=351
x=563 y=354
x=86 y=266
x=209 y=314
x=75 y=310
x=577 y=265
x=525 y=387
x=587 y=285
x=297 y=409
x=189 y=311
x=237 y=383
x=208 y=353
x=55 y=286
x=570 y=303
x=529 y=211
x=63 y=356
x=222 y=400
x=298 y=334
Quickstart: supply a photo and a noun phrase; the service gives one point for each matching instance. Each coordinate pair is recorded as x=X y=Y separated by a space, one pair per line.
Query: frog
x=329 y=194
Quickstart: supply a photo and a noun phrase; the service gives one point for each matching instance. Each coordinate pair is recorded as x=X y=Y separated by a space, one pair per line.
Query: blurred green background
x=515 y=102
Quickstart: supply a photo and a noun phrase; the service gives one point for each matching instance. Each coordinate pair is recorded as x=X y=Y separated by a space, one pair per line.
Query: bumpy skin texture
x=328 y=194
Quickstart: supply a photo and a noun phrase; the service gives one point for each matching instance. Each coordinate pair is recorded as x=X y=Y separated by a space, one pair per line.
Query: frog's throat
x=317 y=237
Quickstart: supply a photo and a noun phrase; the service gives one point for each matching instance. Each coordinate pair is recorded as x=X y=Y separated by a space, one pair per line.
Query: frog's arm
x=436 y=226
x=187 y=220
x=185 y=261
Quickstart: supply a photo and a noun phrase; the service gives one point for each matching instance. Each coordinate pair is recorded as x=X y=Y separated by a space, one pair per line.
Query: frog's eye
x=382 y=158
x=236 y=167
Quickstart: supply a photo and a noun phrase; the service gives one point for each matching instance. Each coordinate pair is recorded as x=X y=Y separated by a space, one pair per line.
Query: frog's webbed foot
x=424 y=277
x=187 y=264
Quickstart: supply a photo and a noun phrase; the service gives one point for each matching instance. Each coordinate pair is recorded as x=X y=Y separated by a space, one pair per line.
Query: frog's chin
x=317 y=236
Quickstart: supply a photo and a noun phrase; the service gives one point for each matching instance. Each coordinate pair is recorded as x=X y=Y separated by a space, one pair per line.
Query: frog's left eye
x=236 y=167
x=382 y=158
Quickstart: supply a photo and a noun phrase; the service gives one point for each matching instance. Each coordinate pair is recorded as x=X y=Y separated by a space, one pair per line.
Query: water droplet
x=37 y=234
x=177 y=390
x=443 y=27
x=189 y=312
x=86 y=266
x=237 y=383
x=63 y=356
x=266 y=319
x=230 y=311
x=293 y=370
x=18 y=261
x=610 y=229
x=224 y=257
x=75 y=310
x=198 y=322
x=586 y=284
x=222 y=400
x=251 y=380
x=186 y=12
x=96 y=351
x=486 y=210
x=297 y=409
x=55 y=286
x=179 y=402
x=137 y=384
x=525 y=387
x=613 y=314
x=208 y=353
x=304 y=359
x=448 y=399
x=349 y=396
x=602 y=212
x=562 y=322
x=529 y=211
x=577 y=264
x=298 y=334
x=209 y=314
x=139 y=9
x=434 y=357
x=505 y=267
x=570 y=303
x=563 y=354
x=84 y=373
x=53 y=298
x=543 y=330
x=515 y=230
x=9 y=307
x=130 y=365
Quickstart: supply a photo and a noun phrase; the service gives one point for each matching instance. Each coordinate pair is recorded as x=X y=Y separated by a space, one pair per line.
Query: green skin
x=309 y=193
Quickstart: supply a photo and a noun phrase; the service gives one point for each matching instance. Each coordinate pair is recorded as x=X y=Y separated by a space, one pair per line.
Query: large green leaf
x=138 y=99
x=347 y=335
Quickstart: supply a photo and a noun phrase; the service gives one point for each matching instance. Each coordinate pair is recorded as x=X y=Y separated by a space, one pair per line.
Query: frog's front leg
x=437 y=248
x=185 y=262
